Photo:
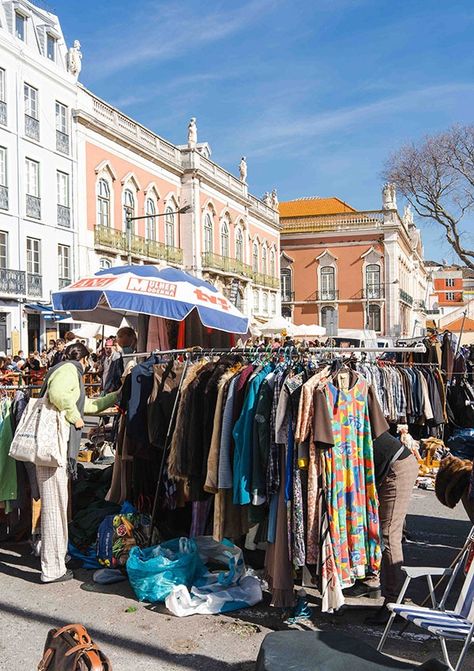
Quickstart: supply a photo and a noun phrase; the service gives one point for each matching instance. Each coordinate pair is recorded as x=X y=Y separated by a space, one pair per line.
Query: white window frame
x=50 y=39
x=272 y=263
x=255 y=259
x=62 y=124
x=239 y=245
x=3 y=249
x=128 y=206
x=225 y=239
x=64 y=262
x=150 y=222
x=3 y=85
x=256 y=301
x=273 y=305
x=31 y=101
x=373 y=289
x=23 y=19
x=450 y=296
x=371 y=309
x=286 y=283
x=103 y=203
x=208 y=234
x=32 y=180
x=325 y=310
x=3 y=166
x=265 y=303
x=264 y=260
x=170 y=232
x=33 y=256
x=327 y=277
x=62 y=182
x=450 y=282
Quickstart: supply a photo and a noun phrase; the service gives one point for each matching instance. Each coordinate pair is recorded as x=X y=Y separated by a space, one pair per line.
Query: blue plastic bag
x=153 y=572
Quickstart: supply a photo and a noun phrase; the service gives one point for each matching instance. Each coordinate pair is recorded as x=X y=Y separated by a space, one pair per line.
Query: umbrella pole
x=165 y=451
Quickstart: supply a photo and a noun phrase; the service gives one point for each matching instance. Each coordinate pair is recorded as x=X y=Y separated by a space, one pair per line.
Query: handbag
x=42 y=435
x=72 y=649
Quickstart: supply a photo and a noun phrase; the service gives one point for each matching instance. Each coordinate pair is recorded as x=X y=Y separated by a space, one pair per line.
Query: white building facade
x=38 y=221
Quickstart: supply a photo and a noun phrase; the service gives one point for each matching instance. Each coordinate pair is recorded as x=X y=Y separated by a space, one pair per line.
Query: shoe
x=380 y=618
x=69 y=575
x=363 y=589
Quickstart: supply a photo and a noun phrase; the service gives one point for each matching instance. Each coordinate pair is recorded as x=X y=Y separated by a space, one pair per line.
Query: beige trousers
x=53 y=486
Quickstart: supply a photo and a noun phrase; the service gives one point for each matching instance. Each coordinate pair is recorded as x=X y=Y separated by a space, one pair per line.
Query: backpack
x=72 y=649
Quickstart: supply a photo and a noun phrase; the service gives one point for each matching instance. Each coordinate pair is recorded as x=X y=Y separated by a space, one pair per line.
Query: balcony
x=115 y=240
x=3 y=113
x=373 y=292
x=12 y=282
x=34 y=285
x=287 y=296
x=226 y=264
x=33 y=207
x=3 y=197
x=266 y=280
x=64 y=282
x=62 y=142
x=406 y=298
x=64 y=216
x=326 y=295
x=32 y=127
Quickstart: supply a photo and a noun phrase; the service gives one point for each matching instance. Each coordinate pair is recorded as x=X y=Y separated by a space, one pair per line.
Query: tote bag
x=42 y=435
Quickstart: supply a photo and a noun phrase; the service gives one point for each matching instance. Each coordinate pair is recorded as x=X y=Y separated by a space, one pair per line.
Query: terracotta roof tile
x=304 y=207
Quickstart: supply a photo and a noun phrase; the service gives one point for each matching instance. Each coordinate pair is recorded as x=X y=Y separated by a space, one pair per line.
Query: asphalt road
x=142 y=637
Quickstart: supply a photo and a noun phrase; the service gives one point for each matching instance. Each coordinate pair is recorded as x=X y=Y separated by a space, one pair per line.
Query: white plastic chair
x=457 y=624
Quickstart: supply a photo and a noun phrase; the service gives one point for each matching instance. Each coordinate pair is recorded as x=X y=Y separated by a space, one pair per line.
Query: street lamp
x=128 y=225
x=367 y=289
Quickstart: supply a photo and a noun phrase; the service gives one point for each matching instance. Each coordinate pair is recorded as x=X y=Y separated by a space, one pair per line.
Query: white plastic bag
x=215 y=599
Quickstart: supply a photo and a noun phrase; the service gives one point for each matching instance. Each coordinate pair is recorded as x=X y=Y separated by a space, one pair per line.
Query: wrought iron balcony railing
x=266 y=280
x=62 y=142
x=32 y=127
x=12 y=282
x=33 y=207
x=3 y=113
x=64 y=216
x=3 y=197
x=64 y=282
x=405 y=297
x=287 y=296
x=111 y=238
x=373 y=292
x=34 y=285
x=226 y=264
x=327 y=295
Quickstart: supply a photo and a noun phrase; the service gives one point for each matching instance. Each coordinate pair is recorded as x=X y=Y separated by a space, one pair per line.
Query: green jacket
x=64 y=392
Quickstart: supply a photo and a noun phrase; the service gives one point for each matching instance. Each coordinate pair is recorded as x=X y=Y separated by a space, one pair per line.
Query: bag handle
x=79 y=630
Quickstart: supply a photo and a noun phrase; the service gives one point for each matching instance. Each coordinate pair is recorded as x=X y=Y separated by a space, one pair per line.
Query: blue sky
x=316 y=93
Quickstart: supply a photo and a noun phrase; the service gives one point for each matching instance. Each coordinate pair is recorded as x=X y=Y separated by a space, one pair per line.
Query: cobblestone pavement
x=138 y=636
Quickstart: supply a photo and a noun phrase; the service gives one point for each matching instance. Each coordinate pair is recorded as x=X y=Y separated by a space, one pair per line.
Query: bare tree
x=437 y=177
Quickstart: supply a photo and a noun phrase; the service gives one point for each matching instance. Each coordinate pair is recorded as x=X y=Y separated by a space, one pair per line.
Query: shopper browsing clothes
x=65 y=388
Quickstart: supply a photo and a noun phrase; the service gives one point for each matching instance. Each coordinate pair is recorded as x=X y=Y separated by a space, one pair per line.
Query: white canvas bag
x=42 y=435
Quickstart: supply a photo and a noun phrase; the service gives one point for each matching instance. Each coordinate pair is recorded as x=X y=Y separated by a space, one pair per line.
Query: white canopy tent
x=276 y=325
x=309 y=331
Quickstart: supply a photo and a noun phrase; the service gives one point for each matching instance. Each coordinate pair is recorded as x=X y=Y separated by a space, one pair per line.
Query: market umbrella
x=276 y=325
x=308 y=331
x=114 y=293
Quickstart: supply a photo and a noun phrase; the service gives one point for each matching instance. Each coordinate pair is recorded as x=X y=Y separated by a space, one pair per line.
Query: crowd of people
x=106 y=361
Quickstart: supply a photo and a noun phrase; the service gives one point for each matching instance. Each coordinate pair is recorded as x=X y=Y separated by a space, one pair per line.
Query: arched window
x=225 y=250
x=265 y=304
x=238 y=301
x=273 y=302
x=264 y=260
x=328 y=283
x=150 y=223
x=328 y=314
x=255 y=258
x=105 y=264
x=239 y=245
x=372 y=281
x=285 y=284
x=272 y=263
x=208 y=234
x=374 y=318
x=256 y=303
x=128 y=207
x=103 y=203
x=169 y=227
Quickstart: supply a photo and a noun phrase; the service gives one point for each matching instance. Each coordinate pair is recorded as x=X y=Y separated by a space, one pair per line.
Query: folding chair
x=457 y=624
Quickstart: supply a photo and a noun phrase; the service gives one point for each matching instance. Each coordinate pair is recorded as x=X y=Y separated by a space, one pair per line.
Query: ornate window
x=225 y=248
x=272 y=263
x=103 y=203
x=256 y=302
x=105 y=264
x=374 y=318
x=264 y=260
x=255 y=257
x=372 y=281
x=169 y=227
x=328 y=314
x=273 y=305
x=128 y=207
x=265 y=304
x=208 y=234
x=328 y=283
x=239 y=245
x=150 y=223
x=285 y=285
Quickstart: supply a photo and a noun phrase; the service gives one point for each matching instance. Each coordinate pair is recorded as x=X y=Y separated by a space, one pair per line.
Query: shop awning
x=47 y=312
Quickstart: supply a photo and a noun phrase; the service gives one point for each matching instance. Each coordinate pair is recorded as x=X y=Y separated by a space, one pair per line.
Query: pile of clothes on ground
x=113 y=539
